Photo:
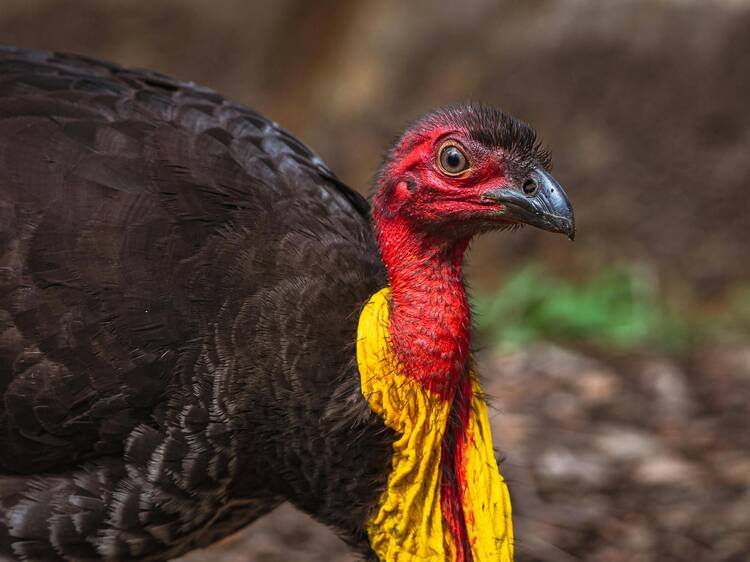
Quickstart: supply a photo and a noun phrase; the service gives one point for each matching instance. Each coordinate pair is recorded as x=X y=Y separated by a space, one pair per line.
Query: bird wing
x=114 y=186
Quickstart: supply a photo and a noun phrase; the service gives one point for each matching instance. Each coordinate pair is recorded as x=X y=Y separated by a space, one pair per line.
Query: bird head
x=467 y=169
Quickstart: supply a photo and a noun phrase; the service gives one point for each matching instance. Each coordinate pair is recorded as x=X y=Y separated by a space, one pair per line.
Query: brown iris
x=452 y=160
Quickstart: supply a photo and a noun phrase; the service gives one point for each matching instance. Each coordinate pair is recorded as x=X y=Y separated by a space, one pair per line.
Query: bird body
x=181 y=285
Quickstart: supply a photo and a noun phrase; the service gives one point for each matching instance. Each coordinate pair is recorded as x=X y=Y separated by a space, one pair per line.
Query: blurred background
x=619 y=366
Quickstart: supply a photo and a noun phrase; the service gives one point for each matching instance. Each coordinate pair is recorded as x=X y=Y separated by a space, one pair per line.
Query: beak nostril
x=530 y=187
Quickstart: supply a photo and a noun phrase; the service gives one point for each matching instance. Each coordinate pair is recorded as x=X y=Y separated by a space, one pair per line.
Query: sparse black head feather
x=491 y=127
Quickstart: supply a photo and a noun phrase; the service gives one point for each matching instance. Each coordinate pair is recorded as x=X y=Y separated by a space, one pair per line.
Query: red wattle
x=453 y=471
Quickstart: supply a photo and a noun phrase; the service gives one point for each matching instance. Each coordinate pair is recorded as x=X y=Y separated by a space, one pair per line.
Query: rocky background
x=613 y=454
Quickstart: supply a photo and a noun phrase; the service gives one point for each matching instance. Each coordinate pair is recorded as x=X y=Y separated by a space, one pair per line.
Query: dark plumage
x=165 y=258
x=180 y=286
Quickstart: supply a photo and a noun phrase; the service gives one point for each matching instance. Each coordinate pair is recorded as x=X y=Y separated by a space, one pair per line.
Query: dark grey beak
x=540 y=202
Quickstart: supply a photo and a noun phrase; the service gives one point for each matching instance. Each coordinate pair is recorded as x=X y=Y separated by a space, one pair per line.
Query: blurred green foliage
x=620 y=308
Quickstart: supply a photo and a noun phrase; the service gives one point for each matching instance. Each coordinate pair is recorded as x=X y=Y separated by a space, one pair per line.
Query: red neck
x=430 y=316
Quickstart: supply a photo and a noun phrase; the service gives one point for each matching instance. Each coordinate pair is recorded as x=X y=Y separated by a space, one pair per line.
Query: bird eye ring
x=452 y=160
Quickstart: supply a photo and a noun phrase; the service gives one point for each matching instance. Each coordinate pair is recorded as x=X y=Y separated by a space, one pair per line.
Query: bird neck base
x=445 y=498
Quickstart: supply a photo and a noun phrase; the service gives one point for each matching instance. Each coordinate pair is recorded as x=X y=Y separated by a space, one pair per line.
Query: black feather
x=492 y=127
x=180 y=281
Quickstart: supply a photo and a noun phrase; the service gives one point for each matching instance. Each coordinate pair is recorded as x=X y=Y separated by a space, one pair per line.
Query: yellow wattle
x=408 y=523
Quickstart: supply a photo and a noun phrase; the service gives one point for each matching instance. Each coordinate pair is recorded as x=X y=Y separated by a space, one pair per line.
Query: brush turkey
x=199 y=321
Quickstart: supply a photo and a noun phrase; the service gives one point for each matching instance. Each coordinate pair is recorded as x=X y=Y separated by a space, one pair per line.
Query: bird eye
x=452 y=160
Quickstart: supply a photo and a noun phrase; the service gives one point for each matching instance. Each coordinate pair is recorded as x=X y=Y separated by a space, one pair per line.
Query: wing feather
x=114 y=185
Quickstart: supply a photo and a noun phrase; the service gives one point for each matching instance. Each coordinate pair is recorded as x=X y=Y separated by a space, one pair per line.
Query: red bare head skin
x=498 y=150
x=455 y=173
x=429 y=202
